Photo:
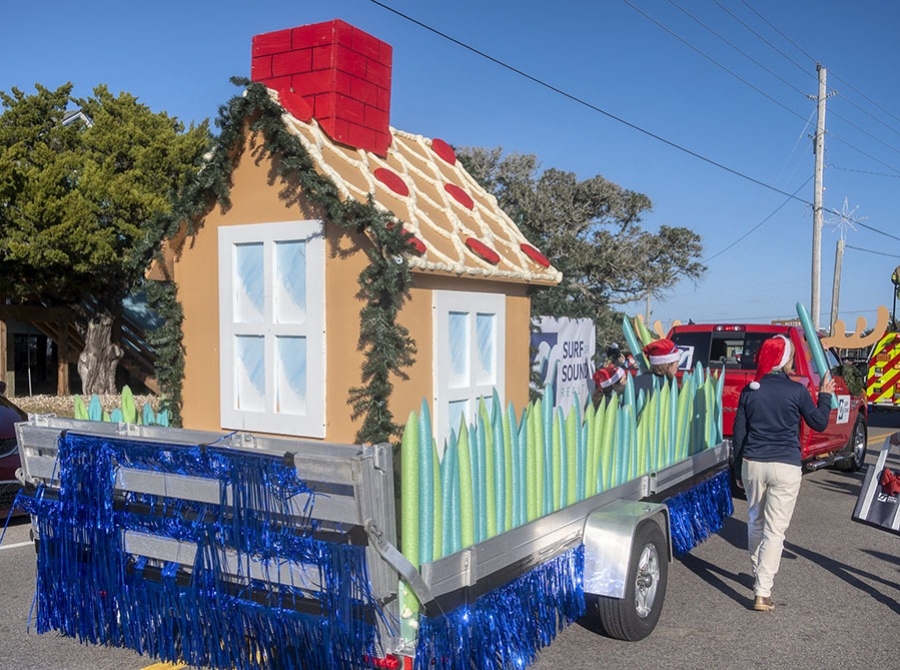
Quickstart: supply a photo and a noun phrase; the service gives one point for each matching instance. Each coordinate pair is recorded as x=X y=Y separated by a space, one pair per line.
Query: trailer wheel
x=634 y=617
x=855 y=449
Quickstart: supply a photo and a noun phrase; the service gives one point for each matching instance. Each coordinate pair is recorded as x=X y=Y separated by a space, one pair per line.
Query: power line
x=591 y=106
x=870 y=251
x=868 y=172
x=867 y=113
x=736 y=48
x=788 y=39
x=763 y=39
x=754 y=228
x=710 y=58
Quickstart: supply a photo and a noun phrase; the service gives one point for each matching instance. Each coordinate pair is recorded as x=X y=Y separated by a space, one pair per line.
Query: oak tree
x=86 y=189
x=591 y=231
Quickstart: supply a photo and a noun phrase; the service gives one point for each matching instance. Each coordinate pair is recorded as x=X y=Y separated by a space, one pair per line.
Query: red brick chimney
x=341 y=74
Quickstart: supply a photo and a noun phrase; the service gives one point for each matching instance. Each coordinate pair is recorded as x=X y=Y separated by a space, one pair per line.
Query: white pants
x=772 y=490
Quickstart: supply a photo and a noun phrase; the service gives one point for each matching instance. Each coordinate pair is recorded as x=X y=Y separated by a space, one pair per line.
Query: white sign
x=564 y=358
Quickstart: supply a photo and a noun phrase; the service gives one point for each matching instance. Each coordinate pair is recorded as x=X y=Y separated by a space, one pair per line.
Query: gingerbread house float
x=269 y=286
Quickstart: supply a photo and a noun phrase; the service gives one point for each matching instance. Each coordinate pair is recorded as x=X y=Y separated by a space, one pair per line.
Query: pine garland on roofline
x=383 y=285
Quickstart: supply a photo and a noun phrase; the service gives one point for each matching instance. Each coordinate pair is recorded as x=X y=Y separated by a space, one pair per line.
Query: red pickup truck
x=734 y=347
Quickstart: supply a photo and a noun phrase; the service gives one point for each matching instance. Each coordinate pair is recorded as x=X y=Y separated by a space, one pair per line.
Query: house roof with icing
x=333 y=81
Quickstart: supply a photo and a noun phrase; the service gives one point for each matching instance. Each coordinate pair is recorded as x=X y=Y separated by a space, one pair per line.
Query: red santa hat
x=773 y=355
x=609 y=375
x=660 y=352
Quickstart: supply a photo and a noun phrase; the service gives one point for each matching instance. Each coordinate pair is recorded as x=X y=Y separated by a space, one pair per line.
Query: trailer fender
x=608 y=540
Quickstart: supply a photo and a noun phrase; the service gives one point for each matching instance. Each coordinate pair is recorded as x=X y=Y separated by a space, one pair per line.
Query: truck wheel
x=634 y=617
x=855 y=449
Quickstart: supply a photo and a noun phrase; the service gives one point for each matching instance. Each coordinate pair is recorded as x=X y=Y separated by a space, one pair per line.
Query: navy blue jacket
x=767 y=423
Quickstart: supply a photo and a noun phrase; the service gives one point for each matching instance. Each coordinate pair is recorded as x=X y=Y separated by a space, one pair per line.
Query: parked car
x=733 y=347
x=10 y=414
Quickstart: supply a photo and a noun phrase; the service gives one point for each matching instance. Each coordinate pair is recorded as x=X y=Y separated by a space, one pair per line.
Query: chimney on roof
x=341 y=74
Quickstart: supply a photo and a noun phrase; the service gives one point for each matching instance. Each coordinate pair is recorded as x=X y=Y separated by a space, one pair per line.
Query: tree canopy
x=591 y=231
x=85 y=199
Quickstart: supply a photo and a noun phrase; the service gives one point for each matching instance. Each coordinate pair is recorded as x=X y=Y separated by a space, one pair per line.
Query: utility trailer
x=243 y=551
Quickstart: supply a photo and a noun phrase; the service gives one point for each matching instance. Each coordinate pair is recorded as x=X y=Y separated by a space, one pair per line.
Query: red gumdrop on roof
x=417 y=245
x=459 y=195
x=535 y=255
x=392 y=180
x=444 y=150
x=483 y=250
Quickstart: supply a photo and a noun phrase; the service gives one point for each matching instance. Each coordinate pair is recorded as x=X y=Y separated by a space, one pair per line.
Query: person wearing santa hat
x=766 y=443
x=608 y=380
x=663 y=356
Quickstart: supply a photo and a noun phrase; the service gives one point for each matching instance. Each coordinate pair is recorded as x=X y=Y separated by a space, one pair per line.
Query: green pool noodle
x=448 y=481
x=500 y=463
x=515 y=473
x=815 y=347
x=628 y=395
x=490 y=472
x=669 y=447
x=720 y=387
x=581 y=461
x=533 y=473
x=555 y=469
x=643 y=333
x=129 y=409
x=591 y=463
x=426 y=486
x=521 y=460
x=608 y=445
x=95 y=409
x=81 y=410
x=409 y=490
x=541 y=460
x=476 y=440
x=550 y=474
x=662 y=441
x=634 y=346
x=508 y=425
x=437 y=550
x=466 y=489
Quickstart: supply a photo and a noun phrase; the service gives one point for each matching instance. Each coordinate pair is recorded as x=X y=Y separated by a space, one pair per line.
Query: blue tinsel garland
x=696 y=514
x=506 y=627
x=89 y=588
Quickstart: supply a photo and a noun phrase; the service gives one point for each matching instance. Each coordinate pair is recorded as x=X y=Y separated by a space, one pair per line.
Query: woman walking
x=767 y=455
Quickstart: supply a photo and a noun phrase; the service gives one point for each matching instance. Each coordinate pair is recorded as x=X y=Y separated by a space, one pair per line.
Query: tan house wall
x=254 y=200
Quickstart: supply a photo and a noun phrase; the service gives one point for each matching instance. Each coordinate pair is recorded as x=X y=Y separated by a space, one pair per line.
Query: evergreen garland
x=383 y=285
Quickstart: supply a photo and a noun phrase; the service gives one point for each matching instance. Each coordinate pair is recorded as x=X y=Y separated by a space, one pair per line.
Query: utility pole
x=819 y=147
x=836 y=286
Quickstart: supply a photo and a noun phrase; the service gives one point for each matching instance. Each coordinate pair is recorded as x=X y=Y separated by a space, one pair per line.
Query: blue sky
x=726 y=80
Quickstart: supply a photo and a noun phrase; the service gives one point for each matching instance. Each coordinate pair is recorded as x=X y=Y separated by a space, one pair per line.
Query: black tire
x=855 y=449
x=635 y=616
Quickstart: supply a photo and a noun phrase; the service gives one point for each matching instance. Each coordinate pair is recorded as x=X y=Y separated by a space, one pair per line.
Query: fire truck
x=883 y=374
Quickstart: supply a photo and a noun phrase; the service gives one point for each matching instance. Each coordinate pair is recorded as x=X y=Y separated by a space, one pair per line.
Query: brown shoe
x=763 y=604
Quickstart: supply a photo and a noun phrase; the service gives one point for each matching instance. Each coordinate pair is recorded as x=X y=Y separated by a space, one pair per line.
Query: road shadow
x=852 y=575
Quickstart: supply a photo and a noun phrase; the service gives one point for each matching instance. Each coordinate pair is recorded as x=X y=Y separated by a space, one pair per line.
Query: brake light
x=729 y=329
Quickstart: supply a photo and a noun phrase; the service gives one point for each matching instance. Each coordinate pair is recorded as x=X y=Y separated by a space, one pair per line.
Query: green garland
x=383 y=285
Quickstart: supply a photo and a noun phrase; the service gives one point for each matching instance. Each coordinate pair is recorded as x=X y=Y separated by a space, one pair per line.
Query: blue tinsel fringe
x=696 y=514
x=506 y=627
x=89 y=588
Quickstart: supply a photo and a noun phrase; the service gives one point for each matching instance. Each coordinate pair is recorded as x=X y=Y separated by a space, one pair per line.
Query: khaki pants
x=772 y=490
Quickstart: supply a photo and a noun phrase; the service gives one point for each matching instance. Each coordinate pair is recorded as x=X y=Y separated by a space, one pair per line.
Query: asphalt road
x=837 y=595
